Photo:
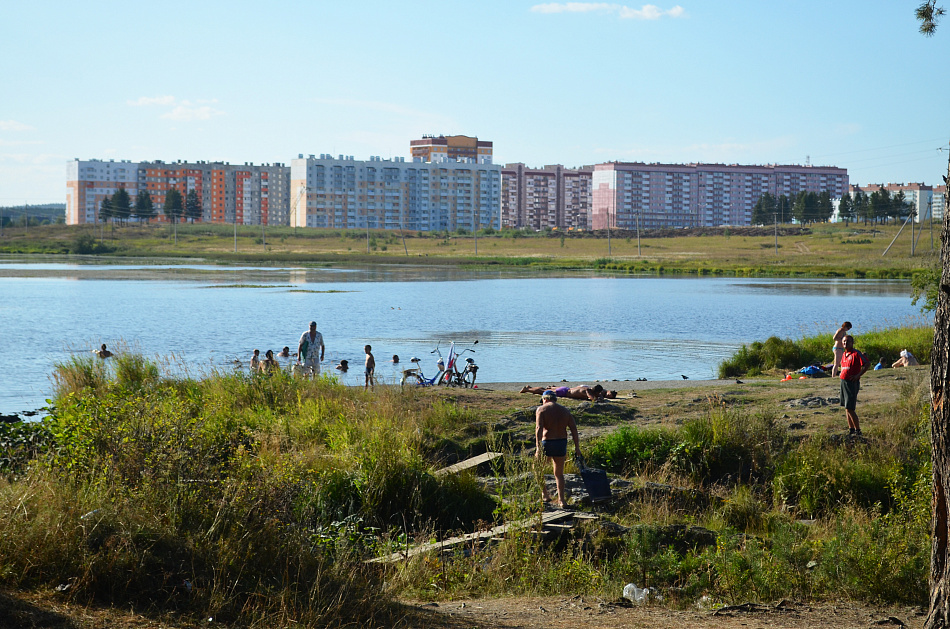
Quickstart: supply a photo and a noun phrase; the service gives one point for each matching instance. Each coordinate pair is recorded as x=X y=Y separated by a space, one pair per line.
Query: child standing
x=370 y=367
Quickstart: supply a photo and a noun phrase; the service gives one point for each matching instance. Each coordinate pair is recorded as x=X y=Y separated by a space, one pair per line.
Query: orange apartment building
x=247 y=195
x=454 y=148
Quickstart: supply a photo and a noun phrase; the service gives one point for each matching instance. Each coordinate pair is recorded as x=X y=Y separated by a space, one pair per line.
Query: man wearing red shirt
x=853 y=366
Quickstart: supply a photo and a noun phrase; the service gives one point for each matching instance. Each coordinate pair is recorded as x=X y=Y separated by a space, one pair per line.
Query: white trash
x=635 y=594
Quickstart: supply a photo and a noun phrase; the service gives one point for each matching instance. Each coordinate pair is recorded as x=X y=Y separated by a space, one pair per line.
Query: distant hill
x=41 y=213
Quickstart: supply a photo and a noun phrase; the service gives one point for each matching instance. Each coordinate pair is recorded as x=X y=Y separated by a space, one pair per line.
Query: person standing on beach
x=838 y=347
x=853 y=366
x=310 y=350
x=552 y=421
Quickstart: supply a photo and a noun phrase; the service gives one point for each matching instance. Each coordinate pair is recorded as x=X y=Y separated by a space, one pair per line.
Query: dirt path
x=593 y=613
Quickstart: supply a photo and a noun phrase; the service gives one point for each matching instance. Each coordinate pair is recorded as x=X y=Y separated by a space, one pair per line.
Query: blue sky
x=849 y=83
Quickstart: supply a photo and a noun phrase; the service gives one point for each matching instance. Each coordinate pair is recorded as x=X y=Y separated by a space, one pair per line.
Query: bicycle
x=455 y=378
x=415 y=376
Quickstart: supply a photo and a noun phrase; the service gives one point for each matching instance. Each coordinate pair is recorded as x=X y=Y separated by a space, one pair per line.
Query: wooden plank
x=546 y=518
x=468 y=463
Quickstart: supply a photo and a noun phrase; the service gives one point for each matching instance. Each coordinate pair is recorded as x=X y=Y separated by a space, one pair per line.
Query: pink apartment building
x=697 y=195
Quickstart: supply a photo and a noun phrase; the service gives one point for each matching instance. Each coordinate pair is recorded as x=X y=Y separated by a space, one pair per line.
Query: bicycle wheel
x=468 y=379
x=411 y=378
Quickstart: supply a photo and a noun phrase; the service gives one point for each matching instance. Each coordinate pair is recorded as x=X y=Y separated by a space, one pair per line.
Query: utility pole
x=235 y=230
x=638 y=233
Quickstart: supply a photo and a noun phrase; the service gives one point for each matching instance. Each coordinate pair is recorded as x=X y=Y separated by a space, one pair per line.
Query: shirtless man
x=838 y=347
x=551 y=423
x=582 y=392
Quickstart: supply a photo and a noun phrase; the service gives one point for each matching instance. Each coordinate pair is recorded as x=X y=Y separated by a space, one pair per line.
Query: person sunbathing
x=906 y=360
x=581 y=392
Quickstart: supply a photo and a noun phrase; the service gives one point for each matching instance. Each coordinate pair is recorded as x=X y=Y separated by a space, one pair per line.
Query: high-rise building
x=341 y=192
x=552 y=197
x=247 y=195
x=460 y=148
x=697 y=195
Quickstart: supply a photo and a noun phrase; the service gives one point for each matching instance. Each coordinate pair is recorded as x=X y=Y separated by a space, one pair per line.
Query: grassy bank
x=776 y=355
x=819 y=251
x=254 y=500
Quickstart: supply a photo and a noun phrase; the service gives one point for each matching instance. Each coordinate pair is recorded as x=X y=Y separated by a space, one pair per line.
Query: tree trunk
x=939 y=615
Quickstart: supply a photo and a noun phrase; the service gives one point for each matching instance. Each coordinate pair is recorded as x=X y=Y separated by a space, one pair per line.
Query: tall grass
x=254 y=500
x=773 y=354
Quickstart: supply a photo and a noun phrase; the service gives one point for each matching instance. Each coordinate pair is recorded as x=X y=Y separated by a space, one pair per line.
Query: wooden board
x=468 y=463
x=546 y=518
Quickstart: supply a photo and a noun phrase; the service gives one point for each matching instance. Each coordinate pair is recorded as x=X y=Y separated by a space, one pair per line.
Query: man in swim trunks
x=551 y=423
x=582 y=392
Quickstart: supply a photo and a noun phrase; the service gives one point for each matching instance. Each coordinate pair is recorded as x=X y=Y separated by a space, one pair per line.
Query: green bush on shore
x=774 y=353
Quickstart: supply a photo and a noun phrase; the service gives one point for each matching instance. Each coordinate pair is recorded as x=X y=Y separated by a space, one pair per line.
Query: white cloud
x=185 y=112
x=13 y=125
x=151 y=100
x=181 y=110
x=647 y=12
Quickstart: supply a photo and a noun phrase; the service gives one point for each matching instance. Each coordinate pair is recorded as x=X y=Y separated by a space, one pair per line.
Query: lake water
x=531 y=327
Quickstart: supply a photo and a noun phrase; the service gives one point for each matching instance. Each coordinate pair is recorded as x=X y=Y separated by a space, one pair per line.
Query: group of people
x=310 y=353
x=850 y=364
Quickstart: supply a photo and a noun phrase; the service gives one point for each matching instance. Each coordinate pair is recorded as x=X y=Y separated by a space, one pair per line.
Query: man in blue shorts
x=552 y=421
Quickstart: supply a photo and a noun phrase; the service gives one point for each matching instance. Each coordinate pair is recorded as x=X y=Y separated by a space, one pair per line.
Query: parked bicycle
x=455 y=378
x=415 y=376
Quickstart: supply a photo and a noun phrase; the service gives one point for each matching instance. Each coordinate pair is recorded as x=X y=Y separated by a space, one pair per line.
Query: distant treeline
x=40 y=214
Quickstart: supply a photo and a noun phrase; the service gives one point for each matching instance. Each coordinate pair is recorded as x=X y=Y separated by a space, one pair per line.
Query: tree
x=121 y=204
x=880 y=204
x=764 y=211
x=805 y=209
x=192 y=205
x=825 y=207
x=784 y=207
x=173 y=208
x=105 y=209
x=846 y=209
x=939 y=615
x=144 y=208
x=862 y=208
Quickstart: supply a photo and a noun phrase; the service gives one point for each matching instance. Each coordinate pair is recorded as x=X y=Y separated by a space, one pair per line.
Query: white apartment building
x=342 y=192
x=88 y=182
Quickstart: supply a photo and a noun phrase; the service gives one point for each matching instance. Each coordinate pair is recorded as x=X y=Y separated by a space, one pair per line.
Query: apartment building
x=697 y=195
x=342 y=192
x=552 y=197
x=453 y=148
x=246 y=194
x=925 y=198
x=88 y=182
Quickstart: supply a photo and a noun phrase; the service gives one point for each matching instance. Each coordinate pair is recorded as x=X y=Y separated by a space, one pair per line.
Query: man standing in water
x=310 y=350
x=853 y=366
x=552 y=422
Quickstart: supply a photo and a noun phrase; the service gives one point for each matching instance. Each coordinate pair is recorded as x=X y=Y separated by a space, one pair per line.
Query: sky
x=848 y=83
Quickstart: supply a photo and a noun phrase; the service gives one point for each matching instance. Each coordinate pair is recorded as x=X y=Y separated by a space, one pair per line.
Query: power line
x=883 y=148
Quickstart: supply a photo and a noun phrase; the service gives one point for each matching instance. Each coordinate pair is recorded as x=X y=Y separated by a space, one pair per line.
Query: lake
x=530 y=326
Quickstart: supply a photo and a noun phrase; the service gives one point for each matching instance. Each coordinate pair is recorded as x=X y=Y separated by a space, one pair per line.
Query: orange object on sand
x=803 y=377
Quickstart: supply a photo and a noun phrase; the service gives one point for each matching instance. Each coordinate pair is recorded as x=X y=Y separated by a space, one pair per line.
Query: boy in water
x=370 y=367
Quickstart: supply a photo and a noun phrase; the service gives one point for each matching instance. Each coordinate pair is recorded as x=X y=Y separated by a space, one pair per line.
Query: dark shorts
x=849 y=393
x=562 y=391
x=554 y=447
